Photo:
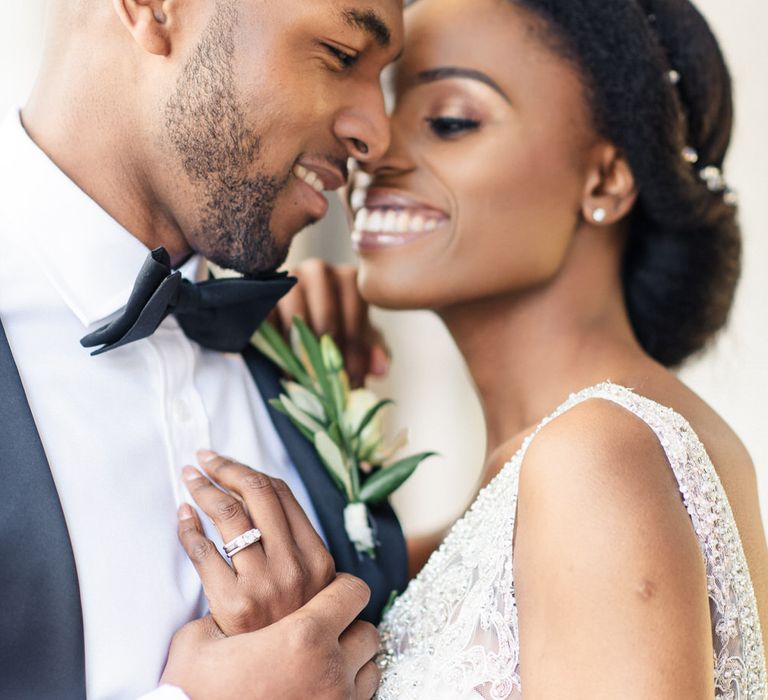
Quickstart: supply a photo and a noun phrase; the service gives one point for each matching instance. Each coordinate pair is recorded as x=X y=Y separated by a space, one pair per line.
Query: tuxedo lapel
x=389 y=571
x=41 y=626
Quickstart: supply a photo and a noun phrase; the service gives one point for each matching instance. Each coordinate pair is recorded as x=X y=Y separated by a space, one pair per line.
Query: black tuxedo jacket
x=42 y=654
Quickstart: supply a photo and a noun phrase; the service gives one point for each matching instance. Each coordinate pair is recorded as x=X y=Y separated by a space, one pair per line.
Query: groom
x=196 y=126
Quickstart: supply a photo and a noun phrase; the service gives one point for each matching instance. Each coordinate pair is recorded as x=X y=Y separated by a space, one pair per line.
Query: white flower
x=372 y=449
x=359 y=402
x=358 y=527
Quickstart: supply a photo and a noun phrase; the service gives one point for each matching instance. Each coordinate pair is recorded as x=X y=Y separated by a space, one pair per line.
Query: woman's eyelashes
x=343 y=58
x=451 y=127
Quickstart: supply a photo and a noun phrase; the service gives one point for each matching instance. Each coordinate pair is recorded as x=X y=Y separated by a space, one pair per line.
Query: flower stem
x=355 y=474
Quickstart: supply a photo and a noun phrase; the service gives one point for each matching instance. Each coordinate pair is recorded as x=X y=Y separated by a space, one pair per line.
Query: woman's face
x=480 y=194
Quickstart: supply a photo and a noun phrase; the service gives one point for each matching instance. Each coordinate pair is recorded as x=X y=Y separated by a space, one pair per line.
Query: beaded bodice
x=453 y=634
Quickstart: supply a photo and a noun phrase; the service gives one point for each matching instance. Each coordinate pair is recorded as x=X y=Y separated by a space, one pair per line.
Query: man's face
x=268 y=105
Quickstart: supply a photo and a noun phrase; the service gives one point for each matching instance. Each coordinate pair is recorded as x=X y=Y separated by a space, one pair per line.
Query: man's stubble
x=206 y=125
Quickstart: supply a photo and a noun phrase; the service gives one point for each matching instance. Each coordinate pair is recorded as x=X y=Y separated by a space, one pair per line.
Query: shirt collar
x=89 y=258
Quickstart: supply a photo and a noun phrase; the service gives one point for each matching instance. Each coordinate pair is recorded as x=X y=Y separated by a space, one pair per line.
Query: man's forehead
x=370 y=21
x=380 y=19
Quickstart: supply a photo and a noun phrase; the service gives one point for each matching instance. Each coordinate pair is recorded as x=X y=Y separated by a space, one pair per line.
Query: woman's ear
x=610 y=191
x=147 y=21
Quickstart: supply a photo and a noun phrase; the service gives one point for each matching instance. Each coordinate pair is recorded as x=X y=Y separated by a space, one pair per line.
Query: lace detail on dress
x=453 y=633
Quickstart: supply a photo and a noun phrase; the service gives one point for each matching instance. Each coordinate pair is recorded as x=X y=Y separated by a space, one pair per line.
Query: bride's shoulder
x=596 y=442
x=604 y=550
x=596 y=479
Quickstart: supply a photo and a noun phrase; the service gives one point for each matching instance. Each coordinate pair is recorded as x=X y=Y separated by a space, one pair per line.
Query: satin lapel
x=389 y=571
x=41 y=625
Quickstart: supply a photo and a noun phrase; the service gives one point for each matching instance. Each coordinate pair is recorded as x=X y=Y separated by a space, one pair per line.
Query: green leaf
x=331 y=355
x=268 y=341
x=368 y=417
x=306 y=400
x=331 y=455
x=393 y=596
x=312 y=348
x=299 y=416
x=335 y=433
x=382 y=483
x=278 y=406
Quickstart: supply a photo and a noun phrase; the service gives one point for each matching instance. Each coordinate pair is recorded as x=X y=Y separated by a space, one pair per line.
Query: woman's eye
x=446 y=127
x=346 y=60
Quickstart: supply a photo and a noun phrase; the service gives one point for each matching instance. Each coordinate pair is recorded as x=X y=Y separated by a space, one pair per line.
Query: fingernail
x=191 y=474
x=380 y=361
x=186 y=512
x=206 y=455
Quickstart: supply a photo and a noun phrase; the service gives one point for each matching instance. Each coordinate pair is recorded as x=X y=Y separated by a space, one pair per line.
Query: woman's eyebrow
x=446 y=72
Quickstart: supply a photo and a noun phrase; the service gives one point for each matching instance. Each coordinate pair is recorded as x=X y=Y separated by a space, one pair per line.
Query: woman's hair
x=657 y=84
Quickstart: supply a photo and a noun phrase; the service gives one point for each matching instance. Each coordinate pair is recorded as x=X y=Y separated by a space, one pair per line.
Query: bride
x=553 y=192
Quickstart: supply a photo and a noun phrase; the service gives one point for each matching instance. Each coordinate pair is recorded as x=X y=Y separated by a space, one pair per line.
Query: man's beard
x=206 y=126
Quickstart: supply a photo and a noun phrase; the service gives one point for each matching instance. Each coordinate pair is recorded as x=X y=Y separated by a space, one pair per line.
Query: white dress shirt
x=116 y=428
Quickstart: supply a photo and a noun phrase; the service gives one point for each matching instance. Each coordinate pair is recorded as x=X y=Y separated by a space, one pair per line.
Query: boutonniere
x=345 y=426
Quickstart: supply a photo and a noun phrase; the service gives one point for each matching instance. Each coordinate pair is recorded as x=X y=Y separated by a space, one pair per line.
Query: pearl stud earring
x=598 y=216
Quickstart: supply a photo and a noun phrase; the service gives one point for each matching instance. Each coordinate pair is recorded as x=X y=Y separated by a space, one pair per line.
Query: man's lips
x=315 y=178
x=321 y=176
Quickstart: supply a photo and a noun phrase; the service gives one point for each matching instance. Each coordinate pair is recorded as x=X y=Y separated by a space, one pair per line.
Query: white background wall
x=435 y=399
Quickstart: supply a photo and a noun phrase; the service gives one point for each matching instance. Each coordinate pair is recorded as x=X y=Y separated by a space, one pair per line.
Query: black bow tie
x=219 y=314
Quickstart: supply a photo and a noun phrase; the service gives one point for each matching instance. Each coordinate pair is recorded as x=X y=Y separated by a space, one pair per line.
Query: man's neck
x=85 y=144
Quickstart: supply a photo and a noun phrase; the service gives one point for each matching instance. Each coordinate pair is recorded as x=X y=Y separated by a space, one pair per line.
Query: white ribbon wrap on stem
x=358 y=527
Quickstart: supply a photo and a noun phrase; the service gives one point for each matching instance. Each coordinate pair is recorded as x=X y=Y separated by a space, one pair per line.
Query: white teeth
x=417 y=224
x=375 y=222
x=392 y=221
x=309 y=177
x=357 y=199
x=361 y=220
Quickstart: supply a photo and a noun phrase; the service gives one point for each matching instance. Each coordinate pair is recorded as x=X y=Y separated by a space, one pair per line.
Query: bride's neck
x=526 y=353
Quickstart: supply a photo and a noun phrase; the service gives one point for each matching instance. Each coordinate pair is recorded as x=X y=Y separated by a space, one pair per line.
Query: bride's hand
x=328 y=299
x=269 y=579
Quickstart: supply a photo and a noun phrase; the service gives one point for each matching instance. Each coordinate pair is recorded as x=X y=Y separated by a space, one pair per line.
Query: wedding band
x=242 y=541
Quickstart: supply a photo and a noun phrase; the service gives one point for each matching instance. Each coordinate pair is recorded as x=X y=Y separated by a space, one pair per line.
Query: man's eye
x=346 y=60
x=446 y=127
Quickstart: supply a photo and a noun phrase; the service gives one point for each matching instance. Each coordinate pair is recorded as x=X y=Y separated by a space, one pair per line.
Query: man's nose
x=363 y=127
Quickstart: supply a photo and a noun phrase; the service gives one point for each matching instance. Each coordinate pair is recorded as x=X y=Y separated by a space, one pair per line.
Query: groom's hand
x=317 y=652
x=327 y=298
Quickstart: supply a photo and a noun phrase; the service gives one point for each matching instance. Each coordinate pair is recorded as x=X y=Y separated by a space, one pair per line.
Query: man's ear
x=610 y=191
x=147 y=22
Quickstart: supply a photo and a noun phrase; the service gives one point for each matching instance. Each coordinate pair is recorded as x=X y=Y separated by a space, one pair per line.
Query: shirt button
x=181 y=410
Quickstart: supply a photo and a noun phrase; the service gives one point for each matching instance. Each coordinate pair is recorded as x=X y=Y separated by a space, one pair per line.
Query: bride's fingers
x=226 y=512
x=307 y=539
x=256 y=489
x=359 y=644
x=214 y=572
x=367 y=681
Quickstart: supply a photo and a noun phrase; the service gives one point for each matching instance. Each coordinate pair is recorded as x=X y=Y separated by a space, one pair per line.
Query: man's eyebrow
x=370 y=22
x=447 y=72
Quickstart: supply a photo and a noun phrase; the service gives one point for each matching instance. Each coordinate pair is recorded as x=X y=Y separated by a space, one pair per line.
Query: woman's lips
x=391 y=219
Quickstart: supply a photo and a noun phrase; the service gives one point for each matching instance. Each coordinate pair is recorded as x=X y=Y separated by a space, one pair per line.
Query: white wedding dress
x=453 y=634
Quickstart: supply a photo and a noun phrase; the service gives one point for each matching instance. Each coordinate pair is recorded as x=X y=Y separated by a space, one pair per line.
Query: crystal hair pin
x=710 y=175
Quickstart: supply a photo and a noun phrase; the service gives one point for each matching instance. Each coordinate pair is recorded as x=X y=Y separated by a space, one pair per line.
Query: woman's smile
x=392 y=218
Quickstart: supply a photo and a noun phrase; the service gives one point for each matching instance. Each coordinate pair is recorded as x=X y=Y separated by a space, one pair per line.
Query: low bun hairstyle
x=683 y=257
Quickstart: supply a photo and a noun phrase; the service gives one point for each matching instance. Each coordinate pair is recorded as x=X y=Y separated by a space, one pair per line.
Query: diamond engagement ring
x=242 y=541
